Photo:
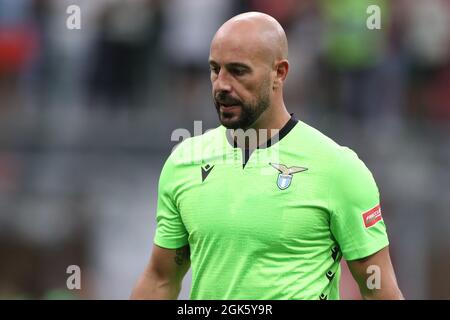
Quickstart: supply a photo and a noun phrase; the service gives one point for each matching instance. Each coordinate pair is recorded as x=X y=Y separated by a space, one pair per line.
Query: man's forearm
x=383 y=294
x=151 y=288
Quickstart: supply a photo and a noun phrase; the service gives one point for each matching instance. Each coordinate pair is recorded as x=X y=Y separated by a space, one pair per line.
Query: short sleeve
x=170 y=230
x=356 y=221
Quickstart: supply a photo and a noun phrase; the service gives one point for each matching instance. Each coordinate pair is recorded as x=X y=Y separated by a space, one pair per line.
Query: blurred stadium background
x=86 y=118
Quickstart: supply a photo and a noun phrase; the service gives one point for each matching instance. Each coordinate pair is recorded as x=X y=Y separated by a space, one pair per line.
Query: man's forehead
x=225 y=48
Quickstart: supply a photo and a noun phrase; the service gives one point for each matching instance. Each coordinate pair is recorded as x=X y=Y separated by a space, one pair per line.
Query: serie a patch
x=372 y=216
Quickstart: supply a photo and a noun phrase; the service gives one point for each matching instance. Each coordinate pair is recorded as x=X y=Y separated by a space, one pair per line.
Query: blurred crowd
x=86 y=118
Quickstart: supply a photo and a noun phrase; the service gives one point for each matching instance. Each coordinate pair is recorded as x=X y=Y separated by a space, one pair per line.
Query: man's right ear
x=282 y=69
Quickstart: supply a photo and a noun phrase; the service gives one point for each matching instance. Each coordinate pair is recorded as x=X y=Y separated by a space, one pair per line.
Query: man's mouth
x=228 y=107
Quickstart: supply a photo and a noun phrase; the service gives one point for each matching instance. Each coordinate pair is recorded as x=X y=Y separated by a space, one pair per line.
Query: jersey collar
x=290 y=124
x=246 y=153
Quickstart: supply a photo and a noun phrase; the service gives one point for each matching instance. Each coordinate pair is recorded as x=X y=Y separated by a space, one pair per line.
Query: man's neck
x=265 y=128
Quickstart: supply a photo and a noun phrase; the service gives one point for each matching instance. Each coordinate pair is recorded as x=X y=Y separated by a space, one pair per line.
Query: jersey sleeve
x=170 y=230
x=356 y=221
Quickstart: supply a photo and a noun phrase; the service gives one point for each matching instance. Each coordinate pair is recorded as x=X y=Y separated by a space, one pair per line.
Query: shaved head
x=248 y=62
x=255 y=31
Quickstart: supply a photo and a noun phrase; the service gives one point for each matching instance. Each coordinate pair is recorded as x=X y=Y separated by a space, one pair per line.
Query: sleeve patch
x=372 y=216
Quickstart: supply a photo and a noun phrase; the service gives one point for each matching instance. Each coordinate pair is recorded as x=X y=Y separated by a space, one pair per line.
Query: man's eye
x=238 y=72
x=214 y=69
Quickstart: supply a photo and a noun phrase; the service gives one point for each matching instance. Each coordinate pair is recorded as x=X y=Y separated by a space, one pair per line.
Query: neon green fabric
x=262 y=231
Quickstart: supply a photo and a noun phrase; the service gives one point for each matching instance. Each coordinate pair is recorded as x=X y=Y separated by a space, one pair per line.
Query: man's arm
x=163 y=275
x=367 y=267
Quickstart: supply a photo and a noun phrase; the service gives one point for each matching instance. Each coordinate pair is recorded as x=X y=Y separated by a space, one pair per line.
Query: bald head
x=257 y=34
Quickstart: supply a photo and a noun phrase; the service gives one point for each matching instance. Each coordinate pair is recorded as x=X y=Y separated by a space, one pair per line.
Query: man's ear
x=281 y=69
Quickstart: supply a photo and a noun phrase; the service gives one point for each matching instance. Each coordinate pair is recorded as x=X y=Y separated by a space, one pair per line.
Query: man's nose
x=222 y=83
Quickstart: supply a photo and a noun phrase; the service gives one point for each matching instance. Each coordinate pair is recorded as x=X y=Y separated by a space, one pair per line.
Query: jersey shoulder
x=323 y=149
x=195 y=149
x=316 y=142
x=345 y=163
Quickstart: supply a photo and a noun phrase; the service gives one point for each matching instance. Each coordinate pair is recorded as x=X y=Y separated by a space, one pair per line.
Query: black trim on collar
x=246 y=153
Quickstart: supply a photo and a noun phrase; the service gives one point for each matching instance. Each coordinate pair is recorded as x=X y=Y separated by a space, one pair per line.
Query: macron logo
x=205 y=171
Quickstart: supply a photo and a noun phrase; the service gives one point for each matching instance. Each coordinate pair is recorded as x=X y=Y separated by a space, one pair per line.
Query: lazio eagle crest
x=286 y=174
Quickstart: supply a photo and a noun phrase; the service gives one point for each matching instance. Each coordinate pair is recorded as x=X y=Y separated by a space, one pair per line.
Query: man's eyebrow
x=238 y=65
x=231 y=64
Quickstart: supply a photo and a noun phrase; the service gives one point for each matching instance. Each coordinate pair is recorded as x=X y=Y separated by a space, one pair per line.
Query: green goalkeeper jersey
x=273 y=224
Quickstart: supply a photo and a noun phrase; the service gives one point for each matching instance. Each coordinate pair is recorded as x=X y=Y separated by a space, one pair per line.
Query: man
x=265 y=225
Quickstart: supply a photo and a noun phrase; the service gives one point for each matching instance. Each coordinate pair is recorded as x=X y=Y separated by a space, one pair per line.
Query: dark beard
x=250 y=112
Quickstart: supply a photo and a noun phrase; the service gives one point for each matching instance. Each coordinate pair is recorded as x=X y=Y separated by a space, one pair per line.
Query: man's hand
x=163 y=275
x=376 y=265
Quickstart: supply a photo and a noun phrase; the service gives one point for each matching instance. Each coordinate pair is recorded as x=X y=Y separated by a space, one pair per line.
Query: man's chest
x=270 y=201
